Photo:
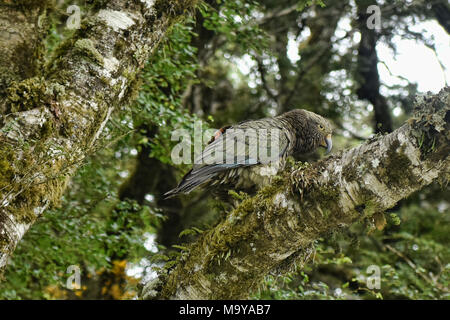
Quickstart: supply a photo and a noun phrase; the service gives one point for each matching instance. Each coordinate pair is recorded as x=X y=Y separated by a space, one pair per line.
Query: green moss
x=87 y=48
x=371 y=207
x=47 y=129
x=32 y=93
x=33 y=4
x=6 y=171
x=238 y=196
x=397 y=166
x=132 y=90
x=38 y=195
x=329 y=194
x=119 y=47
x=174 y=7
x=270 y=190
x=243 y=222
x=394 y=219
x=351 y=172
x=27 y=94
x=98 y=4
x=32 y=194
x=59 y=52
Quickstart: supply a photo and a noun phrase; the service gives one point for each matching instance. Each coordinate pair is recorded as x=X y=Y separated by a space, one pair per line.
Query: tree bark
x=442 y=13
x=50 y=122
x=276 y=229
x=367 y=69
x=21 y=33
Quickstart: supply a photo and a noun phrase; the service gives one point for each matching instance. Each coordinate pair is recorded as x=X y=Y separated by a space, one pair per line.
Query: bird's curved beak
x=327 y=143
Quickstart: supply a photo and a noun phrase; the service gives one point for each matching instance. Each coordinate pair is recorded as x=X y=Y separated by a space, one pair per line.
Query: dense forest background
x=225 y=62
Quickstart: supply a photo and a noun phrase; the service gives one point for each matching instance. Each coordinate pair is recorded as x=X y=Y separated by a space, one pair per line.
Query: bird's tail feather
x=186 y=187
x=195 y=178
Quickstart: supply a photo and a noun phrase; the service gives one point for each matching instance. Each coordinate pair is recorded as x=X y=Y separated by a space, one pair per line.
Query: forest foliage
x=113 y=222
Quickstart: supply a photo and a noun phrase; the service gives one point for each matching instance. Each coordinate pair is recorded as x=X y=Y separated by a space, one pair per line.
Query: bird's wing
x=246 y=144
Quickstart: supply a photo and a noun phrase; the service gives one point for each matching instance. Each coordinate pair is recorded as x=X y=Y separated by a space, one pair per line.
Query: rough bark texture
x=21 y=33
x=49 y=122
x=276 y=229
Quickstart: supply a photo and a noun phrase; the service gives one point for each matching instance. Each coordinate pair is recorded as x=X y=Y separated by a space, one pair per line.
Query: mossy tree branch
x=22 y=30
x=276 y=228
x=50 y=122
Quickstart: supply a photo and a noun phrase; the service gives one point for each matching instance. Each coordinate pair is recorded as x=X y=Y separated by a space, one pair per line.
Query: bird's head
x=321 y=130
x=312 y=130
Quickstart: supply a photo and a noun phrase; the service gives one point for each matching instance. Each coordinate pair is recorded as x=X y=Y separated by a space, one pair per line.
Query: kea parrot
x=247 y=155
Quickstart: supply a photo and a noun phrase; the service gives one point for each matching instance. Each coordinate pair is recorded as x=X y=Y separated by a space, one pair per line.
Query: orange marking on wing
x=218 y=134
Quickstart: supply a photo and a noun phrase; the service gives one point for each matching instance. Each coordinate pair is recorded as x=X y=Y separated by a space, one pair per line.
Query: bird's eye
x=321 y=127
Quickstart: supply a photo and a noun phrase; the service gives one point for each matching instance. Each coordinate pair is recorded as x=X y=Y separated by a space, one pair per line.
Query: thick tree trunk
x=50 y=122
x=367 y=69
x=276 y=229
